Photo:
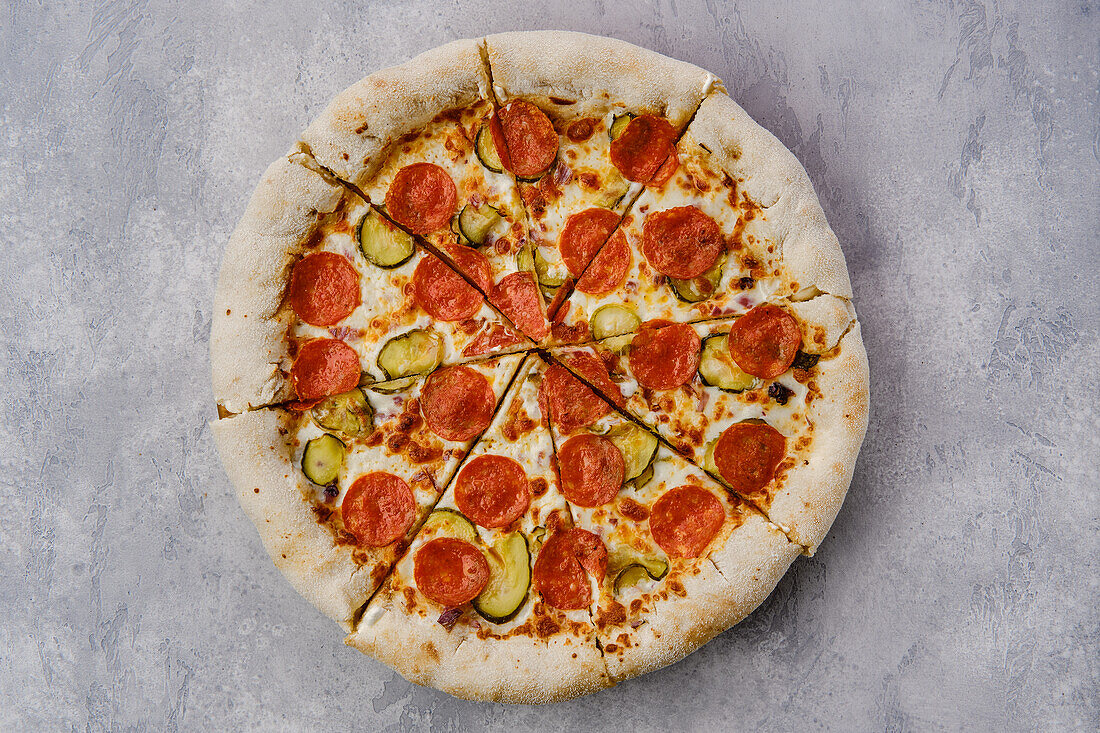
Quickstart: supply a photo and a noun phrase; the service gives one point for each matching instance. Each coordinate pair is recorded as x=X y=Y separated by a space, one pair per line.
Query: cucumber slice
x=613 y=320
x=416 y=352
x=619 y=124
x=700 y=288
x=349 y=415
x=382 y=243
x=322 y=459
x=638 y=447
x=486 y=150
x=475 y=222
x=718 y=369
x=550 y=276
x=509 y=579
x=450 y=523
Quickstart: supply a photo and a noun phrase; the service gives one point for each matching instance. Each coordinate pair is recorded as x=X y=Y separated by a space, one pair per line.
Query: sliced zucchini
x=718 y=369
x=696 y=289
x=613 y=320
x=451 y=523
x=486 y=150
x=543 y=271
x=393 y=386
x=416 y=352
x=638 y=447
x=349 y=415
x=619 y=124
x=322 y=459
x=475 y=222
x=509 y=579
x=382 y=243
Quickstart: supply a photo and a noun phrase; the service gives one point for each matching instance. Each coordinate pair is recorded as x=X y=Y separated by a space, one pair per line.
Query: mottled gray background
x=956 y=148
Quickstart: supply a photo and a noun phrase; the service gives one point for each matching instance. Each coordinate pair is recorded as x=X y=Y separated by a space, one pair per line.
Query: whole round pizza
x=536 y=364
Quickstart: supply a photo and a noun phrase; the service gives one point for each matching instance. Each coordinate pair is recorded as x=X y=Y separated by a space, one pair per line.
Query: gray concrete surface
x=956 y=148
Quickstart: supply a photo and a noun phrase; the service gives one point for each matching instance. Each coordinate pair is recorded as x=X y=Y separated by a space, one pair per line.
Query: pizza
x=536 y=364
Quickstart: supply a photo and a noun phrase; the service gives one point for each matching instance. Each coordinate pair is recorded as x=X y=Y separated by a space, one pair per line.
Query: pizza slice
x=716 y=238
x=686 y=559
x=584 y=123
x=466 y=608
x=318 y=293
x=769 y=402
x=430 y=165
x=336 y=491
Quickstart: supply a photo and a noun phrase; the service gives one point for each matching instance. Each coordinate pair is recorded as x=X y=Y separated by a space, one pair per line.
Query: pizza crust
x=814 y=490
x=593 y=69
x=732 y=583
x=248 y=332
x=770 y=175
x=269 y=488
x=350 y=138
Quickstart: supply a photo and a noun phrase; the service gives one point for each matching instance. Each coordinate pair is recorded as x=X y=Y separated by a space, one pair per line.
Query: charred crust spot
x=612 y=648
x=612 y=615
x=396 y=442
x=746 y=283
x=545 y=627
x=805 y=361
x=635 y=606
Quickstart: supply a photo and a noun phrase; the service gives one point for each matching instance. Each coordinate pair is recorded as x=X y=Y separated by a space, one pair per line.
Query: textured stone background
x=956 y=148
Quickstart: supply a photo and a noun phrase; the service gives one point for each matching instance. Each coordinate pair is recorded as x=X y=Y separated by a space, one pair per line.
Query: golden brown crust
x=590 y=70
x=814 y=490
x=736 y=579
x=353 y=134
x=270 y=489
x=769 y=174
x=248 y=332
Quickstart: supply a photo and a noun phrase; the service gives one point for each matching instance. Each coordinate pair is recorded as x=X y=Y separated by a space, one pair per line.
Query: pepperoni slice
x=583 y=235
x=450 y=571
x=747 y=454
x=559 y=573
x=493 y=491
x=664 y=173
x=608 y=268
x=442 y=292
x=571 y=403
x=378 y=509
x=457 y=403
x=517 y=296
x=324 y=367
x=592 y=470
x=664 y=355
x=525 y=138
x=494 y=337
x=685 y=519
x=765 y=341
x=422 y=197
x=681 y=242
x=324 y=288
x=644 y=145
x=472 y=264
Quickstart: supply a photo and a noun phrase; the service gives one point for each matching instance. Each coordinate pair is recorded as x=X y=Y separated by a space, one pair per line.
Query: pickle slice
x=509 y=579
x=450 y=523
x=475 y=222
x=349 y=415
x=619 y=124
x=322 y=459
x=486 y=150
x=696 y=289
x=637 y=445
x=415 y=352
x=382 y=243
x=718 y=369
x=613 y=320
